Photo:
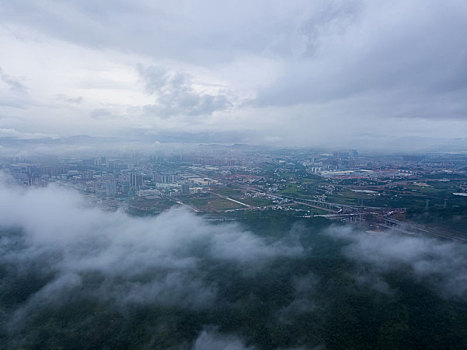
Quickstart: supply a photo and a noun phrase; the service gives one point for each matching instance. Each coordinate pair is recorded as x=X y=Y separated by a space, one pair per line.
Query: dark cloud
x=403 y=59
x=75 y=100
x=13 y=93
x=295 y=73
x=175 y=94
x=199 y=31
x=101 y=114
x=14 y=84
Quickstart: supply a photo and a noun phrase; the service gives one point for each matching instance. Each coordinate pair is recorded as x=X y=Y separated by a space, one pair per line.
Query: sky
x=317 y=73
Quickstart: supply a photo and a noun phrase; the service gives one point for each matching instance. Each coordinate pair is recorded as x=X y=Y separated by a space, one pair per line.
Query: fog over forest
x=216 y=286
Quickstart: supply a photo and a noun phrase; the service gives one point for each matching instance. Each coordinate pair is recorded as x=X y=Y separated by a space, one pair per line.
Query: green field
x=224 y=204
x=256 y=202
x=208 y=202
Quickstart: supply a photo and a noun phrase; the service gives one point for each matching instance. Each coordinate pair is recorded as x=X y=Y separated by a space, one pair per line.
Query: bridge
x=414 y=229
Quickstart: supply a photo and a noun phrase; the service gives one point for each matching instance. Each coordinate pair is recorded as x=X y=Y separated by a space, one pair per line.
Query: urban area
x=424 y=194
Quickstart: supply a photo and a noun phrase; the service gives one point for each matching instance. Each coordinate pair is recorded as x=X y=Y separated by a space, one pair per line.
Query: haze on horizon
x=362 y=74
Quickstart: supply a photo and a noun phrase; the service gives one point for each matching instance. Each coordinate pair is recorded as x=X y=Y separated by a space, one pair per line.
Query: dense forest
x=306 y=286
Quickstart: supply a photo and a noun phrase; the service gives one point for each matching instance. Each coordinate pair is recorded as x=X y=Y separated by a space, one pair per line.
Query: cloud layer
x=355 y=71
x=442 y=263
x=139 y=260
x=71 y=272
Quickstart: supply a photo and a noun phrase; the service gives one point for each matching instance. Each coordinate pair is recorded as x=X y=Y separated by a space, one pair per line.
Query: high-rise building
x=111 y=188
x=125 y=188
x=136 y=180
x=165 y=178
x=185 y=190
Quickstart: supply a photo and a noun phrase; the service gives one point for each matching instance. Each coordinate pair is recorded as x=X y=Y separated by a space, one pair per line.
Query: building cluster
x=101 y=177
x=256 y=172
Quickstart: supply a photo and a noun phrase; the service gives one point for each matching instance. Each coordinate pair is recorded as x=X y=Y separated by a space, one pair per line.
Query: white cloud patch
x=443 y=264
x=130 y=260
x=304 y=287
x=210 y=339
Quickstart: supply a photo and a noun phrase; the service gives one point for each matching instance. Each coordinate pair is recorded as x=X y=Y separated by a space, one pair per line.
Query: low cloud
x=193 y=284
x=443 y=264
x=130 y=260
x=210 y=339
x=304 y=288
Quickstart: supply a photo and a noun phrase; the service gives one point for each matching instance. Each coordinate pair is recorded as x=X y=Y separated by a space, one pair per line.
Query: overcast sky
x=349 y=73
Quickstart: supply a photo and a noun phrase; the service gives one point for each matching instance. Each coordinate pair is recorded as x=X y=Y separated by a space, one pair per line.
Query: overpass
x=414 y=229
